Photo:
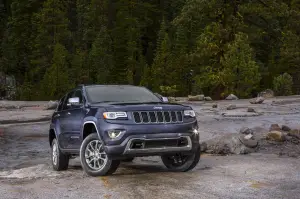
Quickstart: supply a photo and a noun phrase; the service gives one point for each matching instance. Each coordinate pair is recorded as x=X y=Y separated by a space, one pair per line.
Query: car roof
x=109 y=85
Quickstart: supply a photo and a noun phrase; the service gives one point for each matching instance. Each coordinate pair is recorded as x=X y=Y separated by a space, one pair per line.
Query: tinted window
x=60 y=105
x=65 y=107
x=120 y=94
x=78 y=94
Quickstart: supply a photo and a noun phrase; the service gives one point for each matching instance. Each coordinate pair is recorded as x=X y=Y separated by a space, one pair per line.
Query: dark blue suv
x=106 y=124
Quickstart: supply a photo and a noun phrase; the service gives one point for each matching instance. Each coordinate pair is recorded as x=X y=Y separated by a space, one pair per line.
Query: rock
x=51 y=105
x=231 y=107
x=285 y=128
x=251 y=110
x=246 y=131
x=228 y=144
x=207 y=99
x=294 y=133
x=275 y=127
x=215 y=105
x=249 y=141
x=266 y=94
x=248 y=137
x=196 y=98
x=275 y=136
x=203 y=146
x=232 y=97
x=258 y=100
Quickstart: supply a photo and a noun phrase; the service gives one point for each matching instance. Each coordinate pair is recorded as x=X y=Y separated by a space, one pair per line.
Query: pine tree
x=101 y=58
x=52 y=27
x=56 y=80
x=240 y=72
x=161 y=66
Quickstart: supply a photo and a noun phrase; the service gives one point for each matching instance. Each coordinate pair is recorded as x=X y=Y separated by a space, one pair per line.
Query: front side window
x=61 y=102
x=78 y=94
x=105 y=93
x=65 y=105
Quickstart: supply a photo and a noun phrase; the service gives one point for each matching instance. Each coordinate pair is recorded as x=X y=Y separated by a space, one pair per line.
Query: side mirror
x=165 y=99
x=74 y=101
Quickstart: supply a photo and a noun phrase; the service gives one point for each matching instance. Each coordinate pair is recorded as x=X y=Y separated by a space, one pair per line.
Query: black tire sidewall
x=86 y=168
x=188 y=165
x=62 y=160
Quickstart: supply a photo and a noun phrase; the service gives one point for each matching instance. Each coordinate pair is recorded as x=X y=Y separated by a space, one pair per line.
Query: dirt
x=273 y=172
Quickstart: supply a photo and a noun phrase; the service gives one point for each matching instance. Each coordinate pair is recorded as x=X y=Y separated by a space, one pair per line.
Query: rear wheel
x=94 y=160
x=180 y=162
x=60 y=161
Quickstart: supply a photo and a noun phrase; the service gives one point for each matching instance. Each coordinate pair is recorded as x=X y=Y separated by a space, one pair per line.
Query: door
x=72 y=118
x=57 y=119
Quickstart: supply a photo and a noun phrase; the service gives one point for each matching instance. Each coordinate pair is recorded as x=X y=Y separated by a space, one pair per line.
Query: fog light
x=114 y=133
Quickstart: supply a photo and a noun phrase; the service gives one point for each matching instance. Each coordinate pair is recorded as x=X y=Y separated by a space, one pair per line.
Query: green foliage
x=231 y=46
x=169 y=91
x=56 y=80
x=283 y=84
x=240 y=72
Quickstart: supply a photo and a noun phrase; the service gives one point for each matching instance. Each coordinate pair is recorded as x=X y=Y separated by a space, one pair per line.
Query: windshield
x=126 y=94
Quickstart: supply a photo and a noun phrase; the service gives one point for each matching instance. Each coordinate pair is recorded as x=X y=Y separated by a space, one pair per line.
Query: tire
x=92 y=143
x=59 y=160
x=190 y=161
x=128 y=160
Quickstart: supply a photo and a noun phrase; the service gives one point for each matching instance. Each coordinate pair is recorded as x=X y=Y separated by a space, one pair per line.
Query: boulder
x=246 y=131
x=275 y=136
x=227 y=144
x=231 y=107
x=232 y=97
x=258 y=100
x=215 y=105
x=275 y=127
x=51 y=105
x=207 y=99
x=285 y=128
x=196 y=98
x=248 y=141
x=294 y=133
x=266 y=94
x=251 y=110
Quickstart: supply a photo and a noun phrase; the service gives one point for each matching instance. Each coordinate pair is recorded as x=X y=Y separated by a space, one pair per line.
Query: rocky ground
x=269 y=170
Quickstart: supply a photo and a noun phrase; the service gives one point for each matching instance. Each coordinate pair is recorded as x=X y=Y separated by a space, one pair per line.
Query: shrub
x=283 y=84
x=168 y=90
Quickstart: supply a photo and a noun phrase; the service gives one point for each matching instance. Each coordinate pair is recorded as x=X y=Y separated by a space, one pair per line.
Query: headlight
x=189 y=113
x=114 y=115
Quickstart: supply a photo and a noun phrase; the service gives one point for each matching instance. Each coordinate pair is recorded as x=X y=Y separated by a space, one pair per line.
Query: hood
x=142 y=106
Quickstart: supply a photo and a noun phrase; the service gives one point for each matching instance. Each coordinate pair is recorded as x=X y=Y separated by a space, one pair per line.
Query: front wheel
x=180 y=162
x=94 y=160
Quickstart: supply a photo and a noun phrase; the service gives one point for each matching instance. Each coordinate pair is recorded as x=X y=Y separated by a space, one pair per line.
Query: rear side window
x=61 y=102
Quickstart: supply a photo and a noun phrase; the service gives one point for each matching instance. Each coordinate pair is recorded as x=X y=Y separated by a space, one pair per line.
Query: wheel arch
x=89 y=127
x=52 y=135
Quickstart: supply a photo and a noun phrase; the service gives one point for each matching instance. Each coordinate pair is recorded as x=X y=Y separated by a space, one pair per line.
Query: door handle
x=69 y=113
x=58 y=115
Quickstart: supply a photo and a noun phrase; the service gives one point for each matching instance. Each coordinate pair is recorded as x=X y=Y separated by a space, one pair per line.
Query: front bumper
x=121 y=147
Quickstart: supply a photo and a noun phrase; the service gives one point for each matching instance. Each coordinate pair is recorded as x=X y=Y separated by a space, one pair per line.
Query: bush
x=168 y=90
x=283 y=84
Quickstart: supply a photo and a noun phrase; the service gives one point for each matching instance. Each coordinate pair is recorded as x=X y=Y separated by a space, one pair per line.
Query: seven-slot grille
x=157 y=116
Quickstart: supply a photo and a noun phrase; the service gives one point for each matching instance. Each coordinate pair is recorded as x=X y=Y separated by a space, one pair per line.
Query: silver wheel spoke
x=95 y=159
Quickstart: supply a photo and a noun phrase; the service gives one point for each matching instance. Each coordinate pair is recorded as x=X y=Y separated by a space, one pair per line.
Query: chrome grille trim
x=178 y=114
